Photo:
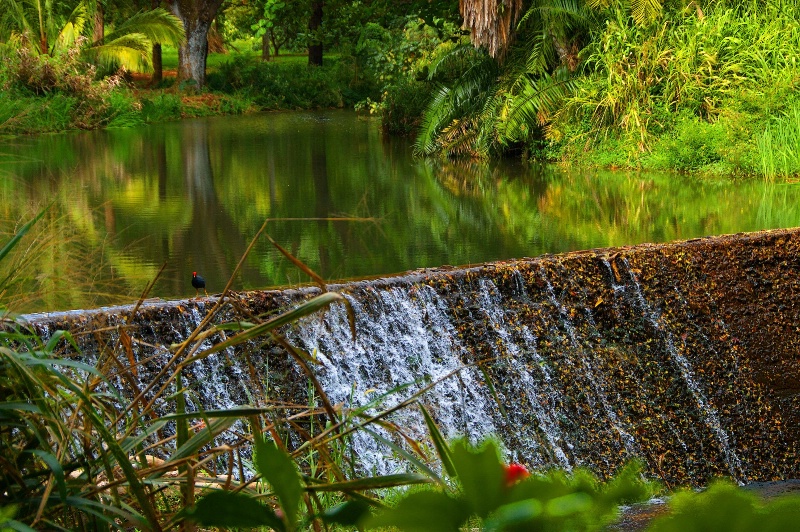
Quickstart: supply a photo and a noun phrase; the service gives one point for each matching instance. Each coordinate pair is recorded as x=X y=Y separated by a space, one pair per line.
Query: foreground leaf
x=428 y=511
x=232 y=510
x=348 y=513
x=277 y=467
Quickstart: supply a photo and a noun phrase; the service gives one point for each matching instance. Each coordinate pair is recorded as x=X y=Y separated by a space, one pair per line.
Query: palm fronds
x=129 y=45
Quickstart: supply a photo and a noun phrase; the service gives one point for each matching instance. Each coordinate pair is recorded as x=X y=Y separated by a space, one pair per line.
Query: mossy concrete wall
x=685 y=354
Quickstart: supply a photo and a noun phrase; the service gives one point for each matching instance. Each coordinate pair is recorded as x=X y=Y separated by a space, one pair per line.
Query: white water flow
x=709 y=413
x=539 y=395
x=404 y=337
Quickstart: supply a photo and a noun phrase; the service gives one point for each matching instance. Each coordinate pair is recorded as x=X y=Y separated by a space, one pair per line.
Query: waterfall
x=579 y=360
x=404 y=336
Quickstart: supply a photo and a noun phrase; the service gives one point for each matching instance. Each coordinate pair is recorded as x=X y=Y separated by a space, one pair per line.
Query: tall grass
x=729 y=66
x=779 y=145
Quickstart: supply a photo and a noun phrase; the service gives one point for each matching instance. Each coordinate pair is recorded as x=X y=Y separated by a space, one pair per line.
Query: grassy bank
x=710 y=91
x=43 y=94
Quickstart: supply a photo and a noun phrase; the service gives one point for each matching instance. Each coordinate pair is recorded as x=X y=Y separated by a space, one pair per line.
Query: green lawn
x=238 y=49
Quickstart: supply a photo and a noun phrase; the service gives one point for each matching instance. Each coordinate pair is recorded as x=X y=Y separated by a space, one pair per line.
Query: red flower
x=514 y=473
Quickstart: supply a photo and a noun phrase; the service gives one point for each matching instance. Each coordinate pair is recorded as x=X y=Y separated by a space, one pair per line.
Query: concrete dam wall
x=685 y=355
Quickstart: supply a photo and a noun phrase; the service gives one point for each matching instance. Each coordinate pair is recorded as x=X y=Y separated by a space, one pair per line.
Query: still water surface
x=340 y=196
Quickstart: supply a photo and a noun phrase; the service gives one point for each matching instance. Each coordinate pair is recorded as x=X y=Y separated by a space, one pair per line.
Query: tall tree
x=197 y=16
x=158 y=63
x=315 y=30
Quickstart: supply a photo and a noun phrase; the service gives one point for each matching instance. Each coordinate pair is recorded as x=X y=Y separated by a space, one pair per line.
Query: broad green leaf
x=349 y=513
x=427 y=511
x=232 y=510
x=573 y=503
x=278 y=468
x=481 y=475
x=514 y=514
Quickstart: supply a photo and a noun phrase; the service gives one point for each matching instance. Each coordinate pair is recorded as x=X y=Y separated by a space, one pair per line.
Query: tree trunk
x=314 y=24
x=276 y=45
x=196 y=16
x=99 y=25
x=158 y=65
x=265 y=46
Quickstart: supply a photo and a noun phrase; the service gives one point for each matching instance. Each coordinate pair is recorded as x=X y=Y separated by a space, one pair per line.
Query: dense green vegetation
x=703 y=87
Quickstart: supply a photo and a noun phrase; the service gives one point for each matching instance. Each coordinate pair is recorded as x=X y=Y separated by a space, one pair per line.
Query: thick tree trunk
x=158 y=65
x=314 y=24
x=196 y=16
x=276 y=45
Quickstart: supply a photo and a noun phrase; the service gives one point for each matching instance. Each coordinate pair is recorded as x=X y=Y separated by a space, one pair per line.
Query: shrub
x=275 y=85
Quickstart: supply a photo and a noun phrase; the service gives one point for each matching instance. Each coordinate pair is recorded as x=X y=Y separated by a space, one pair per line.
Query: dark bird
x=198 y=283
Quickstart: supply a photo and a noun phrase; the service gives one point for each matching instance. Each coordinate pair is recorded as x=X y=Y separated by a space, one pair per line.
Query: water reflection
x=342 y=198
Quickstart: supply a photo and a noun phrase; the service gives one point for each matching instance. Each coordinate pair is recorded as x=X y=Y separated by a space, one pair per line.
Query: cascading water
x=404 y=337
x=585 y=359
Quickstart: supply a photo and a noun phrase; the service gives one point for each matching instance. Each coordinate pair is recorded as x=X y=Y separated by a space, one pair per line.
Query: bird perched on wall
x=198 y=283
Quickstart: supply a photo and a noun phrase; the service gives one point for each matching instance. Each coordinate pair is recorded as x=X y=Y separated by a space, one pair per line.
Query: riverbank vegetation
x=703 y=87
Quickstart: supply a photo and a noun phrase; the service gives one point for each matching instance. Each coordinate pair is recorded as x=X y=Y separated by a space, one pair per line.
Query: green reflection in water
x=341 y=197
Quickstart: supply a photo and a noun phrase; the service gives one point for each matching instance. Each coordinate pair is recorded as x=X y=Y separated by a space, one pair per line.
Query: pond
x=340 y=196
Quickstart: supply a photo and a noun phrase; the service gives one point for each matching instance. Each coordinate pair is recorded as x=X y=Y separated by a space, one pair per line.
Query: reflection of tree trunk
x=322 y=196
x=213 y=244
x=161 y=166
x=110 y=219
x=314 y=25
x=272 y=185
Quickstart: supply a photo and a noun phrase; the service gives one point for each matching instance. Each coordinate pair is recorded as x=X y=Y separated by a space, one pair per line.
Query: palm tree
x=642 y=11
x=508 y=100
x=50 y=26
x=491 y=22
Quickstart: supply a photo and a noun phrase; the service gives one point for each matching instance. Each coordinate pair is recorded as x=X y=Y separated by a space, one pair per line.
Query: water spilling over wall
x=686 y=355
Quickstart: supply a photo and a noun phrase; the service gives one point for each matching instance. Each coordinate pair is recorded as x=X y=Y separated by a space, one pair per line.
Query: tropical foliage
x=700 y=86
x=54 y=28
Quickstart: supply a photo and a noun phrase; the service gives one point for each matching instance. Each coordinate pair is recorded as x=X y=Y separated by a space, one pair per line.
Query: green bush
x=161 y=107
x=277 y=85
x=724 y=507
x=402 y=106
